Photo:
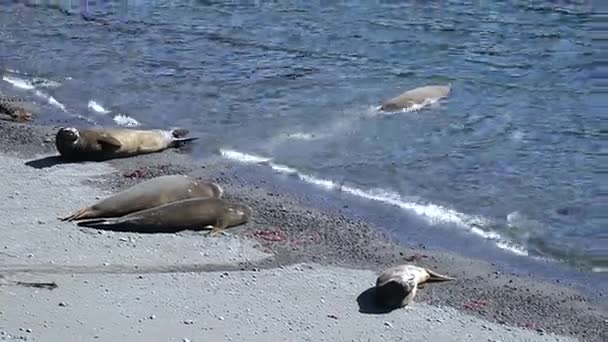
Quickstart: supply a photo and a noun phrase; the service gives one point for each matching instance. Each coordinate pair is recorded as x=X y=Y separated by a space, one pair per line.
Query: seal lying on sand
x=12 y=109
x=102 y=144
x=148 y=194
x=397 y=286
x=191 y=214
x=416 y=97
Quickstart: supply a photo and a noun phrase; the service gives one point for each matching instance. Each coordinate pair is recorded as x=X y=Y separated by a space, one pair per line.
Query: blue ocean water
x=512 y=154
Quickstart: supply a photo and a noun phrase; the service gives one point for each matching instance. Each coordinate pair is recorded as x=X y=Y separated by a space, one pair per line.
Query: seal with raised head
x=417 y=97
x=148 y=194
x=397 y=285
x=13 y=109
x=102 y=144
x=189 y=214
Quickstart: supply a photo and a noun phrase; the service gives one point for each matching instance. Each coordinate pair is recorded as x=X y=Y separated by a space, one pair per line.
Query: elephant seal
x=417 y=97
x=101 y=144
x=148 y=194
x=189 y=214
x=12 y=109
x=397 y=285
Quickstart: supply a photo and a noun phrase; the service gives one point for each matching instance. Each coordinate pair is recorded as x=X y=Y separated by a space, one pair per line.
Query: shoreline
x=329 y=239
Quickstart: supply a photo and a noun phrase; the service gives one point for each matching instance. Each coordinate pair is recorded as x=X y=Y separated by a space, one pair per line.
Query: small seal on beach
x=417 y=97
x=12 y=109
x=102 y=144
x=148 y=194
x=188 y=214
x=397 y=285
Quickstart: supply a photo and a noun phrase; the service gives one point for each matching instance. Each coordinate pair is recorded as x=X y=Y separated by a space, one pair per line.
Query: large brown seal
x=13 y=109
x=416 y=97
x=397 y=285
x=188 y=214
x=148 y=194
x=102 y=144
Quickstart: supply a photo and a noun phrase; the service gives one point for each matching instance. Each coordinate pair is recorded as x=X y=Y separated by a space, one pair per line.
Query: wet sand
x=294 y=273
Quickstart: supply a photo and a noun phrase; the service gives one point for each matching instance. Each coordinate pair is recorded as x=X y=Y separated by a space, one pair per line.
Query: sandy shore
x=313 y=284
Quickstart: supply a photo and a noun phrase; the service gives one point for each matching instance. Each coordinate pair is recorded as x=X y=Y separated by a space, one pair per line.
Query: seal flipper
x=434 y=276
x=179 y=141
x=109 y=141
x=75 y=216
x=219 y=227
x=102 y=223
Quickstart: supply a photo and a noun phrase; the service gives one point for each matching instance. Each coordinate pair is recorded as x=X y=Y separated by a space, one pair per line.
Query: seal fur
x=148 y=194
x=189 y=214
x=397 y=285
x=416 y=97
x=101 y=144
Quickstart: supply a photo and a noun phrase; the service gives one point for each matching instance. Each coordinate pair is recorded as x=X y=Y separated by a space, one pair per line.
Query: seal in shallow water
x=148 y=194
x=102 y=144
x=12 y=109
x=417 y=96
x=188 y=214
x=397 y=286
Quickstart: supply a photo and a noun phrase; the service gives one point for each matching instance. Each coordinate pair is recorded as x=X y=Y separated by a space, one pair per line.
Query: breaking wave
x=432 y=213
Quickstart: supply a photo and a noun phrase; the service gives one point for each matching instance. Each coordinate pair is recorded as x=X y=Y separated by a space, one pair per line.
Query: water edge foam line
x=431 y=212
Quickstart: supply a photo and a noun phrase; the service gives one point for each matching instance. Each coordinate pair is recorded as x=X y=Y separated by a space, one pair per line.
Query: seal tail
x=79 y=215
x=434 y=276
x=99 y=223
x=180 y=141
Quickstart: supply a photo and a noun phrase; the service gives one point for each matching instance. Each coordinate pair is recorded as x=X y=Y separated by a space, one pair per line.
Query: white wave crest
x=243 y=157
x=31 y=84
x=96 y=107
x=431 y=212
x=51 y=100
x=18 y=82
x=125 y=120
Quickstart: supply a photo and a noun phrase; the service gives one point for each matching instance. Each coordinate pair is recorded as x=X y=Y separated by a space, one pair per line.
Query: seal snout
x=244 y=211
x=68 y=134
x=393 y=292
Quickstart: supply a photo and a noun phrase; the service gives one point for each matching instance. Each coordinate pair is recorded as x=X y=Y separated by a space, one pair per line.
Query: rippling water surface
x=513 y=152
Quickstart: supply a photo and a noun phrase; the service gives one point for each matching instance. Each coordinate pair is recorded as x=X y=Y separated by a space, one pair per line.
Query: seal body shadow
x=418 y=96
x=397 y=286
x=102 y=144
x=188 y=214
x=148 y=194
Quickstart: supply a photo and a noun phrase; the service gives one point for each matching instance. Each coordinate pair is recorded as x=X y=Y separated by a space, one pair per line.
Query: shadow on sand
x=369 y=305
x=45 y=162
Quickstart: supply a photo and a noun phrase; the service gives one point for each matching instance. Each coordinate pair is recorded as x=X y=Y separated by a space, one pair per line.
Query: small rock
x=28 y=330
x=388 y=324
x=188 y=322
x=123 y=239
x=152 y=317
x=185 y=340
x=63 y=304
x=221 y=318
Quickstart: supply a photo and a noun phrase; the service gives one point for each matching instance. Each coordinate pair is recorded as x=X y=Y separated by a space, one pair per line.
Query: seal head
x=395 y=290
x=238 y=214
